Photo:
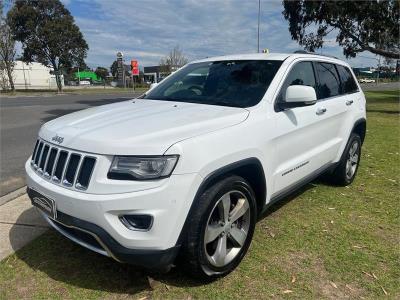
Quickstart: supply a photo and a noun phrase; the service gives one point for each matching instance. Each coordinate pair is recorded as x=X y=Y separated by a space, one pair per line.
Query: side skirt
x=297 y=185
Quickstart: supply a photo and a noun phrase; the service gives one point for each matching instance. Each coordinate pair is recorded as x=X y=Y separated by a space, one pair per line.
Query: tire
x=344 y=174
x=202 y=254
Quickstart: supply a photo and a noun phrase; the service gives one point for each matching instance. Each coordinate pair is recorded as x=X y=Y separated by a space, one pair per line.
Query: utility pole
x=379 y=70
x=258 y=27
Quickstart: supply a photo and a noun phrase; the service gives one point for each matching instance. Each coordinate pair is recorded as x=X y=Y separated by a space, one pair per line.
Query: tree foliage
x=101 y=72
x=48 y=34
x=7 y=53
x=114 y=68
x=173 y=61
x=358 y=25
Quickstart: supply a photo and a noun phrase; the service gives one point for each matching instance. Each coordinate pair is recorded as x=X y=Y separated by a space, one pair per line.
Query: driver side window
x=301 y=74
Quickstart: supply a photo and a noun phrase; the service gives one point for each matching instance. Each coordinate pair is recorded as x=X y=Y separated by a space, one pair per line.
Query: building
x=155 y=74
x=34 y=76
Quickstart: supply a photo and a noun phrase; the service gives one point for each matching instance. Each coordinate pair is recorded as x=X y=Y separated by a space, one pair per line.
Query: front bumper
x=98 y=240
x=98 y=216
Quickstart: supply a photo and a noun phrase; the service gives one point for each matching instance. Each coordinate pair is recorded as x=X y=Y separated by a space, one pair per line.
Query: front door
x=303 y=134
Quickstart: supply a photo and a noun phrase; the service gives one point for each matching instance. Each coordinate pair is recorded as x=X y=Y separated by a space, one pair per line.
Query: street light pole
x=379 y=70
x=258 y=27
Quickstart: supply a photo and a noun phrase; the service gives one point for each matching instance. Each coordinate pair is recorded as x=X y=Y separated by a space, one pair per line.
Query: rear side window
x=329 y=83
x=301 y=74
x=349 y=85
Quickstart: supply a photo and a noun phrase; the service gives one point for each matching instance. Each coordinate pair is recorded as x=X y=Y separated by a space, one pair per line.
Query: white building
x=34 y=76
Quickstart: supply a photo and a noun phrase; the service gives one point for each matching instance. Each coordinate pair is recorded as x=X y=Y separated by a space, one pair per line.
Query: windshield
x=238 y=83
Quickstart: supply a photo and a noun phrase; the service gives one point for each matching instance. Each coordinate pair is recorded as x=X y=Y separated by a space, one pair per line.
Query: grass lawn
x=324 y=242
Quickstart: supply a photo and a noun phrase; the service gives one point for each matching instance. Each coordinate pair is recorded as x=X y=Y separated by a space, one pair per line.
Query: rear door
x=334 y=106
x=353 y=100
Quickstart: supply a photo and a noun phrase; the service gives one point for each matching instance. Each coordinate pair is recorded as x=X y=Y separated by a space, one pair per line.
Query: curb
x=11 y=196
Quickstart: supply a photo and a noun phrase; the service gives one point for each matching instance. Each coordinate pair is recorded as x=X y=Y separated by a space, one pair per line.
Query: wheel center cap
x=227 y=227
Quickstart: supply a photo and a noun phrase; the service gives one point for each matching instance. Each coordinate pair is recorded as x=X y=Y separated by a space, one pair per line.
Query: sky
x=148 y=30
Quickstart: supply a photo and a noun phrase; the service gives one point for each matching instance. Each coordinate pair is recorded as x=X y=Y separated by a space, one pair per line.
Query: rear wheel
x=221 y=228
x=347 y=168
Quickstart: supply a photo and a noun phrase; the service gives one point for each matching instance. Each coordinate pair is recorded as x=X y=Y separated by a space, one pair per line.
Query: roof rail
x=313 y=53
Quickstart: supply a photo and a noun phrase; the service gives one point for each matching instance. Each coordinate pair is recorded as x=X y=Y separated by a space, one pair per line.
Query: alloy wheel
x=352 y=160
x=227 y=228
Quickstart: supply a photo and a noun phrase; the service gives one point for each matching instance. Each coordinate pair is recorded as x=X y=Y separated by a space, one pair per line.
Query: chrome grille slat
x=65 y=169
x=46 y=152
x=40 y=158
x=62 y=160
x=77 y=171
x=50 y=162
x=46 y=162
x=71 y=169
x=55 y=162
x=38 y=154
x=34 y=152
x=85 y=172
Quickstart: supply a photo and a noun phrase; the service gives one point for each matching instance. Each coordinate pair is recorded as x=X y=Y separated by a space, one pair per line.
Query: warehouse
x=34 y=76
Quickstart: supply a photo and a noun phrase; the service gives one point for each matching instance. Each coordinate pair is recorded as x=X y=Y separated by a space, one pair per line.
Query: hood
x=138 y=127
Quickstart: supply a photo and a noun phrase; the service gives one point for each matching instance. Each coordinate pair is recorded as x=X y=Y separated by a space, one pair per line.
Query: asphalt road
x=20 y=120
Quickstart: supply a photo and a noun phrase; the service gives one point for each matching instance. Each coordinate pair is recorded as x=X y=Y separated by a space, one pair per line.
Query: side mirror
x=299 y=95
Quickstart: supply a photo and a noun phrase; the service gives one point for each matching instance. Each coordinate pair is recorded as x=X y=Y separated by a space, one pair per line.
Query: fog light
x=137 y=222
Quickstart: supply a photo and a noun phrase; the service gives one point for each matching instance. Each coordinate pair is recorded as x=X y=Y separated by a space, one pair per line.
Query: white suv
x=182 y=173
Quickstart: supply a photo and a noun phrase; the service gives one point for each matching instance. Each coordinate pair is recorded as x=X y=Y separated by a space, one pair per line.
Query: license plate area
x=45 y=204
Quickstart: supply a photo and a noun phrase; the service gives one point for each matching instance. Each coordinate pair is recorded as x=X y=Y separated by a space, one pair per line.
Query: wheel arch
x=360 y=127
x=250 y=169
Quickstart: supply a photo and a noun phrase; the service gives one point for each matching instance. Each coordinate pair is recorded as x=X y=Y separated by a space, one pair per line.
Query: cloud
x=148 y=30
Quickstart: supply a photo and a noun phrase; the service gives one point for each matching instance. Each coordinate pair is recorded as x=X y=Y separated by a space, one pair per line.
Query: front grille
x=64 y=167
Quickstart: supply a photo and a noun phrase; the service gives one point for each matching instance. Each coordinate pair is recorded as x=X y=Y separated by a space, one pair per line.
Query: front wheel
x=221 y=228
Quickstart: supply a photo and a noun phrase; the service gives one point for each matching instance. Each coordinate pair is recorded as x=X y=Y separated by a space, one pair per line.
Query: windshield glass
x=238 y=83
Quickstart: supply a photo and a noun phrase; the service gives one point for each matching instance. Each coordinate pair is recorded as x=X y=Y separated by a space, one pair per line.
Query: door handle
x=320 y=111
x=349 y=102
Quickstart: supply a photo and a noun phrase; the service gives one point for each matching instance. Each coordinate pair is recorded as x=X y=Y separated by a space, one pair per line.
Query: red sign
x=135 y=67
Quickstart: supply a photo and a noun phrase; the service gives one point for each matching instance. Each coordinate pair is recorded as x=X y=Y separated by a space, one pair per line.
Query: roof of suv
x=269 y=56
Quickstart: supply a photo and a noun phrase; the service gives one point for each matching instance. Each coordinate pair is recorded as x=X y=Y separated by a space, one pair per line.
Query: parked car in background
x=186 y=169
x=366 y=80
x=84 y=82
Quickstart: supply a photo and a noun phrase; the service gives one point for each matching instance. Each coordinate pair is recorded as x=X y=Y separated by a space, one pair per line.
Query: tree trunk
x=58 y=80
x=56 y=70
x=10 y=76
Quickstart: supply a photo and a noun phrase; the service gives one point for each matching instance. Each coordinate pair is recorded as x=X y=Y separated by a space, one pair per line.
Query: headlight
x=142 y=168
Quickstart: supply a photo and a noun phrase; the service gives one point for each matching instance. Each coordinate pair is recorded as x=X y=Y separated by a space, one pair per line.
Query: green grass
x=323 y=242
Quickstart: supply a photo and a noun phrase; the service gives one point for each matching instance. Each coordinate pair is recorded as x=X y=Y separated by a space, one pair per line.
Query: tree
x=114 y=68
x=358 y=25
x=7 y=52
x=48 y=34
x=173 y=61
x=101 y=72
